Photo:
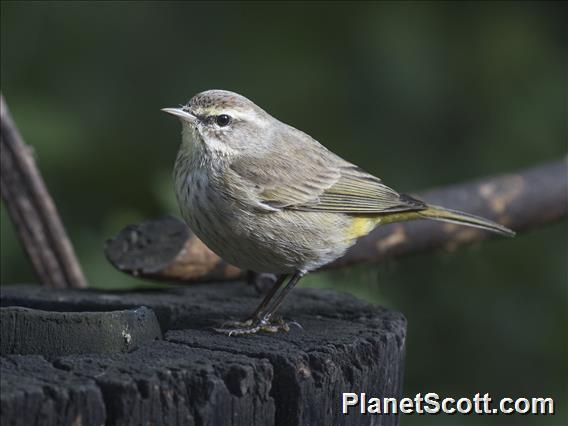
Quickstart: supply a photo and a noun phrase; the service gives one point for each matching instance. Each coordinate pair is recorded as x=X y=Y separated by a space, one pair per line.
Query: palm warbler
x=267 y=197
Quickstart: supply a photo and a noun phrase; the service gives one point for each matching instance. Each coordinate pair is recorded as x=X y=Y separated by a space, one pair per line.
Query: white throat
x=203 y=149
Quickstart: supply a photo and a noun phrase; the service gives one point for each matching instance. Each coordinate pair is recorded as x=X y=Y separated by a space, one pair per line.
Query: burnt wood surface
x=165 y=249
x=194 y=376
x=27 y=331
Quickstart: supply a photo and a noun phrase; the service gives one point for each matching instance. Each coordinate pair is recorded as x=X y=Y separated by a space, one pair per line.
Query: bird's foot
x=254 y=325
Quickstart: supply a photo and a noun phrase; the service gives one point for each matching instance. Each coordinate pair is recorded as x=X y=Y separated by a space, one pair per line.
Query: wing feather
x=309 y=177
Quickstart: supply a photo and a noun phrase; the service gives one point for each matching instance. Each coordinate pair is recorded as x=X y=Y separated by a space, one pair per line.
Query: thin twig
x=33 y=211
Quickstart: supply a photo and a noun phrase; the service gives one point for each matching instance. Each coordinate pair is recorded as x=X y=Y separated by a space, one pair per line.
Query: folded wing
x=311 y=178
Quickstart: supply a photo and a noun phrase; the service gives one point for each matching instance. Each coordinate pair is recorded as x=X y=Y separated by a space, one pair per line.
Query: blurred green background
x=421 y=94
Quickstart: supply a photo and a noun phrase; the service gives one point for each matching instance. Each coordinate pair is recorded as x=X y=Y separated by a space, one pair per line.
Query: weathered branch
x=520 y=201
x=165 y=249
x=33 y=212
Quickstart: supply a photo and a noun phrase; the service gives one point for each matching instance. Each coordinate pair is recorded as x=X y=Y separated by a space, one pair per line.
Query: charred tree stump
x=193 y=375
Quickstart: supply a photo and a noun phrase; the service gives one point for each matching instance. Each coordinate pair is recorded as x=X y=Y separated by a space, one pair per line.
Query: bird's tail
x=461 y=218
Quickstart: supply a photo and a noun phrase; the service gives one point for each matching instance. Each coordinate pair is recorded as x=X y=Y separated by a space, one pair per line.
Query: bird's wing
x=357 y=191
x=315 y=179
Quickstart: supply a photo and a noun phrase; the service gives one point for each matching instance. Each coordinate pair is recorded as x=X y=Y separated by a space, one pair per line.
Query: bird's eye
x=223 y=120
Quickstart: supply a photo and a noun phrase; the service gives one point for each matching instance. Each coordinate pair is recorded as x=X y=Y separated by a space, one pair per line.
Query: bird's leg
x=275 y=302
x=269 y=296
x=261 y=319
x=239 y=327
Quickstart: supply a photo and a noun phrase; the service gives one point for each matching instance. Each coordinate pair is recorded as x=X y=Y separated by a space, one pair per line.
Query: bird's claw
x=252 y=326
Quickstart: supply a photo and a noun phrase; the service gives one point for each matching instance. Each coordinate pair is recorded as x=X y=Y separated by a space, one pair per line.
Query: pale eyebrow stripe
x=234 y=113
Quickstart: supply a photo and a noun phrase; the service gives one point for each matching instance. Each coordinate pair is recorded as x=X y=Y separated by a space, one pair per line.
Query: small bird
x=267 y=197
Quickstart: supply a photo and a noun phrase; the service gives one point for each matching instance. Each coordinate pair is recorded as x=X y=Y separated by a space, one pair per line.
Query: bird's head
x=224 y=122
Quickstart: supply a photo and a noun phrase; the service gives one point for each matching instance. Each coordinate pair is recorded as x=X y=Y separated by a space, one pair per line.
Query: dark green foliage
x=420 y=94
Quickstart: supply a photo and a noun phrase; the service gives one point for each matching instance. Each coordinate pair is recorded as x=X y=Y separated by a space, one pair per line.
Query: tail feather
x=461 y=218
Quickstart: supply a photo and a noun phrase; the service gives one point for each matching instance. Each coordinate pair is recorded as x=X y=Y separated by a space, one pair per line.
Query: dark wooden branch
x=165 y=249
x=33 y=212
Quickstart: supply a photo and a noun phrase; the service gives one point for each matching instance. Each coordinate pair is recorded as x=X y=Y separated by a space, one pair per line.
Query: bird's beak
x=178 y=112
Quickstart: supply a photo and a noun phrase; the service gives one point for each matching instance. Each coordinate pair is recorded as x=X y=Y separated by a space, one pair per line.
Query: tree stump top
x=194 y=375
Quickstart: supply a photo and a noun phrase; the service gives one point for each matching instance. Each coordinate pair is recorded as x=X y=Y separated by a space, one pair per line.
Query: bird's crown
x=214 y=102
